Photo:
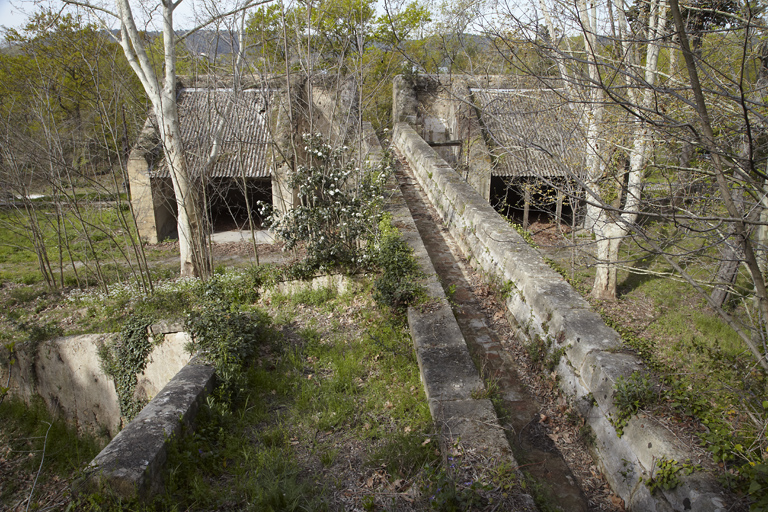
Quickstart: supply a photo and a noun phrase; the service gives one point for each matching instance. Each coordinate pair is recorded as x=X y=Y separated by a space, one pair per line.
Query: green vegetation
x=332 y=382
x=702 y=367
x=123 y=360
x=33 y=439
x=629 y=397
x=543 y=354
x=340 y=207
x=400 y=283
x=665 y=474
x=93 y=238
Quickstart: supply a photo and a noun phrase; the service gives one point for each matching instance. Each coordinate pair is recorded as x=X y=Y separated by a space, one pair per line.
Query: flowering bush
x=339 y=207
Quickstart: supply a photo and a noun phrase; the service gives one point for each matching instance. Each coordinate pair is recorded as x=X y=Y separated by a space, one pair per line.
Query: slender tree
x=160 y=89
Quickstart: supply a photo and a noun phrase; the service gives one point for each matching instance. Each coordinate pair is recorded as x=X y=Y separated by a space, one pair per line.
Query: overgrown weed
x=310 y=396
x=26 y=430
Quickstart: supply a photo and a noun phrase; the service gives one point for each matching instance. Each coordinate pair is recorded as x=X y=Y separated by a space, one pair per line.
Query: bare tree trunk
x=708 y=138
x=610 y=230
x=193 y=253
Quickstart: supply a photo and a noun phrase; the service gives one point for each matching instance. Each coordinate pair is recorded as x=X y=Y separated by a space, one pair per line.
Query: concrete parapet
x=371 y=151
x=131 y=465
x=545 y=307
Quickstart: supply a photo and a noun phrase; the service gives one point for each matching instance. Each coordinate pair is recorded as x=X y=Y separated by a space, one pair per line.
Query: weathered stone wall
x=66 y=373
x=475 y=156
x=334 y=108
x=153 y=209
x=545 y=307
x=441 y=108
x=131 y=465
x=285 y=127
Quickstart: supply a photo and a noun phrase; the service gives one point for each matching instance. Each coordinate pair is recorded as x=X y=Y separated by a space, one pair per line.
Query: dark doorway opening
x=227 y=203
x=509 y=197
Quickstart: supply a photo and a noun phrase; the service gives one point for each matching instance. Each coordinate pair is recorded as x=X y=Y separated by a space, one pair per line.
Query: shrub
x=339 y=207
x=400 y=282
x=124 y=359
x=631 y=395
x=228 y=339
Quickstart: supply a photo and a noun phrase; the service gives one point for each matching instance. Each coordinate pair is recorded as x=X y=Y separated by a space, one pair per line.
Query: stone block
x=130 y=466
x=164 y=362
x=69 y=379
x=582 y=331
x=600 y=372
x=448 y=373
x=551 y=295
x=616 y=461
x=165 y=327
x=698 y=492
x=523 y=266
x=474 y=424
x=651 y=442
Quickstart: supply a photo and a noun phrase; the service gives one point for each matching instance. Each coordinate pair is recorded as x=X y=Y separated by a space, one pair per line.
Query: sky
x=10 y=16
x=14 y=13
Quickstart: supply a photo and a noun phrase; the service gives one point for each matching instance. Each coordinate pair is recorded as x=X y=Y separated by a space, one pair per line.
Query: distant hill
x=208 y=42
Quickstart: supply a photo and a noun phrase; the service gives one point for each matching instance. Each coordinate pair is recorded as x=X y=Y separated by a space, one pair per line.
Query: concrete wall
x=154 y=216
x=285 y=127
x=334 y=108
x=66 y=373
x=544 y=306
x=441 y=108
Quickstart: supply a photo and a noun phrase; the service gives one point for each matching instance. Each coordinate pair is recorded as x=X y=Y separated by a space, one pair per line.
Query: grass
x=333 y=393
x=339 y=388
x=25 y=431
x=705 y=369
x=65 y=240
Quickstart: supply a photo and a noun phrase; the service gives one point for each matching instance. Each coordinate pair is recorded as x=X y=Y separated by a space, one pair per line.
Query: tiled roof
x=533 y=132
x=245 y=140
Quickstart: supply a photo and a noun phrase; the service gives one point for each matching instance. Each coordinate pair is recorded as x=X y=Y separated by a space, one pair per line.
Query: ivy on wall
x=124 y=359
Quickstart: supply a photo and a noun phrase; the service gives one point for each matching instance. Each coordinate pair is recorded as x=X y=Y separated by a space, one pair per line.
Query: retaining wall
x=66 y=373
x=545 y=307
x=131 y=465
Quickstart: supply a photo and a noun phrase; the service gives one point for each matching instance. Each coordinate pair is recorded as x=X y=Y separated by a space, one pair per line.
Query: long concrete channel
x=521 y=409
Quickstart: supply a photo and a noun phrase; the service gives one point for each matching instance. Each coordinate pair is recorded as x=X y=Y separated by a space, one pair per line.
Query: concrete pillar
x=559 y=207
x=527 y=205
x=140 y=161
x=285 y=113
x=404 y=101
x=474 y=151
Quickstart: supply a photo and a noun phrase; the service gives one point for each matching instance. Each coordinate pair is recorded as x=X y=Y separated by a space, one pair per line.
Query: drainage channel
x=528 y=438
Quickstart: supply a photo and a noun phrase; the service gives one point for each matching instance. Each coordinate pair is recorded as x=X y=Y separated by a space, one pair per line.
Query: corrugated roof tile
x=245 y=140
x=534 y=131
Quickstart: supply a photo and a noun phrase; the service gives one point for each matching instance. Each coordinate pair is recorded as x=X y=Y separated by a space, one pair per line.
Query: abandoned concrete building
x=515 y=140
x=259 y=125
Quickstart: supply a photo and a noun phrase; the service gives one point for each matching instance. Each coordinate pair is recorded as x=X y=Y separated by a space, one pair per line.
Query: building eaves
x=534 y=132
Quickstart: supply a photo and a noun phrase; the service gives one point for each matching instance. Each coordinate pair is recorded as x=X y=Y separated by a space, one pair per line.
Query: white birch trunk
x=192 y=248
x=610 y=230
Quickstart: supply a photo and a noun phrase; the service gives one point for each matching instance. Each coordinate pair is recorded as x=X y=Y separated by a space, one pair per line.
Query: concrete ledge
x=543 y=305
x=131 y=465
x=468 y=421
x=448 y=373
